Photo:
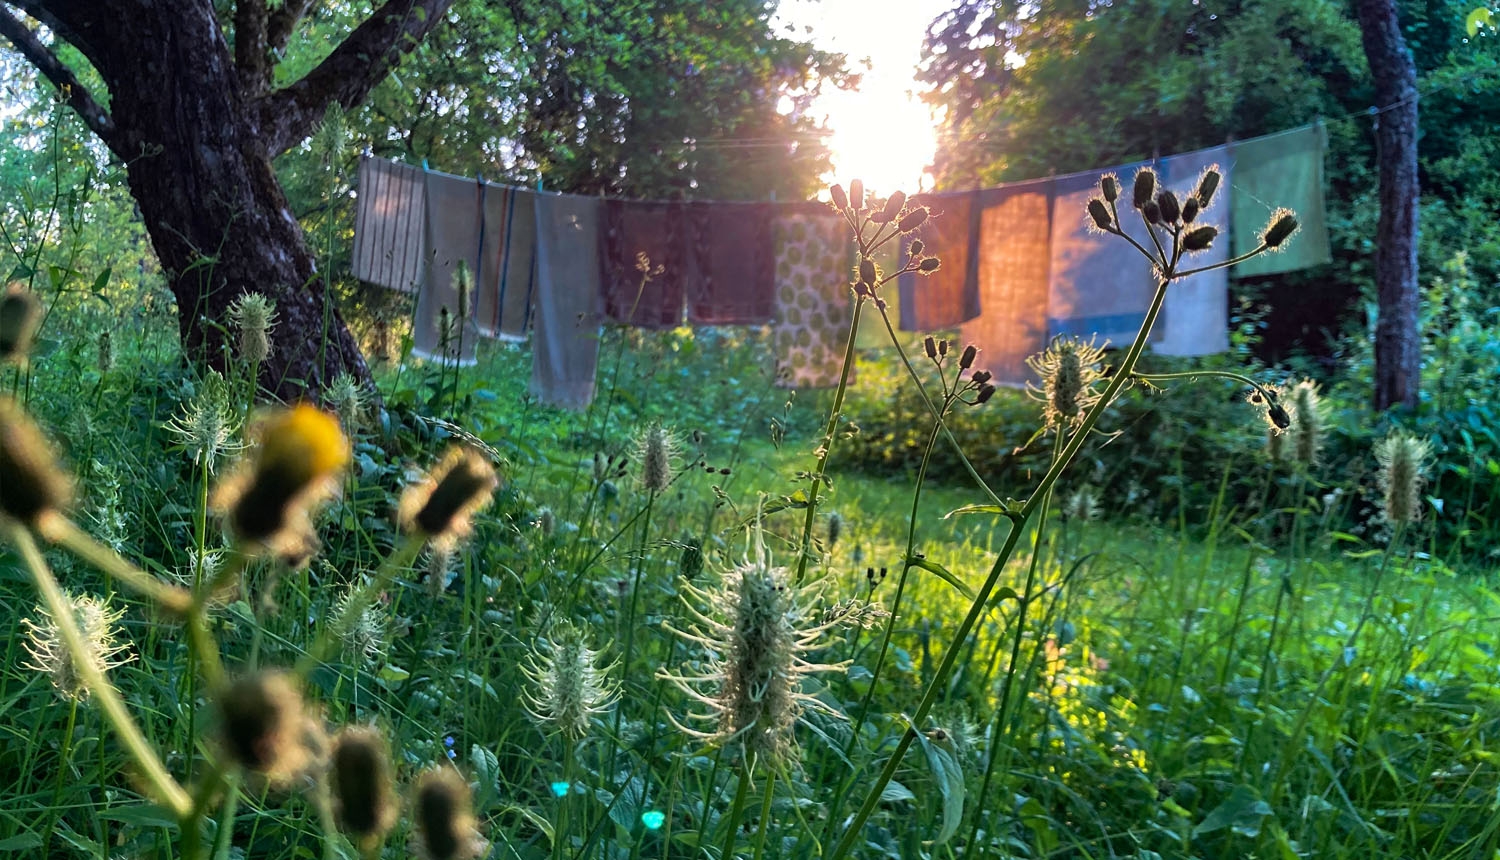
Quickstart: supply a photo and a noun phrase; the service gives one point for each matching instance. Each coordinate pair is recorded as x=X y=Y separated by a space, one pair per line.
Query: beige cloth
x=389 y=220
x=813 y=301
x=1014 y=235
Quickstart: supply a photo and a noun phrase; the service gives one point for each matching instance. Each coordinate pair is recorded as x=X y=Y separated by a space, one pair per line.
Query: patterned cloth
x=1279 y=170
x=565 y=346
x=505 y=282
x=1014 y=233
x=813 y=302
x=1195 y=316
x=732 y=277
x=443 y=328
x=389 y=219
x=637 y=234
x=949 y=296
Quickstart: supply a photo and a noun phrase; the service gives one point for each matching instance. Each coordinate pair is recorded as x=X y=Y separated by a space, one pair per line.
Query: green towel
x=1274 y=171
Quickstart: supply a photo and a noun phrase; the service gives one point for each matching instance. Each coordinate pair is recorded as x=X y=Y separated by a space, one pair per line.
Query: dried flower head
x=1069 y=369
x=360 y=774
x=48 y=653
x=441 y=505
x=269 y=500
x=1280 y=227
x=206 y=425
x=656 y=451
x=266 y=729
x=757 y=628
x=1200 y=238
x=1403 y=460
x=1307 y=422
x=104 y=357
x=253 y=316
x=348 y=399
x=445 y=824
x=570 y=683
x=20 y=314
x=32 y=487
x=1144 y=188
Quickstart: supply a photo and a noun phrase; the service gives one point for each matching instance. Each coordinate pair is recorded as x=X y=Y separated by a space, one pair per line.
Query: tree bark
x=1398 y=342
x=198 y=131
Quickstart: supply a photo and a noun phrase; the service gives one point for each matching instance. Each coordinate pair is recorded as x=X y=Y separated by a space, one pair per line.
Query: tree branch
x=250 y=47
x=283 y=20
x=74 y=93
x=362 y=60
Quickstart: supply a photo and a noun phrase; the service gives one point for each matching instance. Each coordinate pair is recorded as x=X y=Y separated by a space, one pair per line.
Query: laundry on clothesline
x=1015 y=235
x=389 y=217
x=1195 y=314
x=443 y=327
x=642 y=262
x=948 y=297
x=565 y=348
x=1283 y=170
x=732 y=276
x=813 y=302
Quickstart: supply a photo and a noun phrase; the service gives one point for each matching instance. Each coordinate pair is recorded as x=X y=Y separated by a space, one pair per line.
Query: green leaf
x=950 y=780
x=943 y=574
x=102 y=281
x=894 y=792
x=1242 y=812
x=1005 y=510
x=1478 y=18
x=393 y=674
x=20 y=842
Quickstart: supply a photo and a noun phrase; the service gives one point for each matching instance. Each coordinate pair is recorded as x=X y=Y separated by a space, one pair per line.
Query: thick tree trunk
x=1398 y=342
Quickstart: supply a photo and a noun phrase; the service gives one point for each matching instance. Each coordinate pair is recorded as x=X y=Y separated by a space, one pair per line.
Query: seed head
x=348 y=399
x=1145 y=187
x=105 y=358
x=48 y=653
x=1208 y=183
x=893 y=205
x=1200 y=238
x=966 y=360
x=691 y=562
x=1099 y=213
x=570 y=683
x=546 y=522
x=463 y=284
x=835 y=529
x=1190 y=209
x=656 y=449
x=929 y=265
x=32 y=487
x=206 y=425
x=1109 y=186
x=441 y=807
x=269 y=500
x=840 y=199
x=364 y=633
x=915 y=248
x=913 y=219
x=1081 y=504
x=857 y=195
x=868 y=272
x=20 y=314
x=1403 y=460
x=929 y=345
x=1152 y=210
x=1069 y=369
x=364 y=799
x=1307 y=422
x=442 y=504
x=1282 y=225
x=1170 y=208
x=265 y=727
x=253 y=316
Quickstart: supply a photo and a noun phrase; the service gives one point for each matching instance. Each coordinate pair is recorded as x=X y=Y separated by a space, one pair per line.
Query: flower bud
x=857 y=195
x=985 y=393
x=1100 y=213
x=930 y=346
x=1145 y=187
x=1190 y=210
x=915 y=248
x=31 y=485
x=1171 y=210
x=1207 y=186
x=929 y=265
x=1152 y=211
x=980 y=377
x=1199 y=238
x=1282 y=225
x=966 y=360
x=1109 y=187
x=943 y=347
x=868 y=272
x=840 y=199
x=893 y=205
x=913 y=219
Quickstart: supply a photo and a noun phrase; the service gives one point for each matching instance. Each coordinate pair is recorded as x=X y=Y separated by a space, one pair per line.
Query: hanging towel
x=643 y=241
x=949 y=296
x=565 y=345
x=813 y=304
x=1274 y=171
x=1195 y=316
x=1100 y=286
x=732 y=276
x=1014 y=237
x=453 y=208
x=389 y=220
x=507 y=265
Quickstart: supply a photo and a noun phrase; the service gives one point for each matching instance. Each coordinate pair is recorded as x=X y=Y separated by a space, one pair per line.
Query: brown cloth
x=642 y=241
x=1014 y=236
x=732 y=277
x=950 y=296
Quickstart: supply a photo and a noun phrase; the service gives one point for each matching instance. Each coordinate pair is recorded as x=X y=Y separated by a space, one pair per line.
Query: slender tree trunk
x=1398 y=341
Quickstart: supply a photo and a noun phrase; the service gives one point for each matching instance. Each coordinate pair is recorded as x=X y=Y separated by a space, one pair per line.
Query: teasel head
x=656 y=451
x=1081 y=504
x=364 y=634
x=348 y=399
x=48 y=653
x=265 y=728
x=364 y=798
x=463 y=284
x=20 y=315
x=1403 y=462
x=758 y=629
x=835 y=529
x=441 y=506
x=1276 y=447
x=253 y=316
x=442 y=809
x=1281 y=226
x=206 y=424
x=1069 y=369
x=33 y=490
x=570 y=683
x=269 y=500
x=1307 y=423
x=691 y=562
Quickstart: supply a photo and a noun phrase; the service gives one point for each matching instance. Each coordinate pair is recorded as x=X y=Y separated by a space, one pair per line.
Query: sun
x=886 y=142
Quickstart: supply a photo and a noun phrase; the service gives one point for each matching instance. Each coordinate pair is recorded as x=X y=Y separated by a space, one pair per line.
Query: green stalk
x=737 y=811
x=765 y=814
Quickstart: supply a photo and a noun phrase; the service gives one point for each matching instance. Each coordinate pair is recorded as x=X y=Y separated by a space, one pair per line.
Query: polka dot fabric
x=813 y=300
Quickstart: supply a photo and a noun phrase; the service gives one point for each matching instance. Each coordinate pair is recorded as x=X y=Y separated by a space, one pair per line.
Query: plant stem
x=736 y=811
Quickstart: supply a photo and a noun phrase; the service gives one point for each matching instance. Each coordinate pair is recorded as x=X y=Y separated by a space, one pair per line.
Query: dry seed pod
x=364 y=798
x=1099 y=212
x=442 y=504
x=1145 y=187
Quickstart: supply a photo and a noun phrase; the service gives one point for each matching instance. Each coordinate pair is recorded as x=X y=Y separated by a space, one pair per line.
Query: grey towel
x=1195 y=317
x=389 y=220
x=506 y=281
x=444 y=327
x=565 y=345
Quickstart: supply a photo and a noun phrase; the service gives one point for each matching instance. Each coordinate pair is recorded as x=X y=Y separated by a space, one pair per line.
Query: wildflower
x=253 y=316
x=1069 y=369
x=32 y=488
x=446 y=829
x=364 y=799
x=363 y=633
x=442 y=504
x=569 y=683
x=656 y=448
x=268 y=501
x=1081 y=504
x=757 y=628
x=266 y=728
x=1307 y=425
x=50 y=654
x=20 y=314
x=348 y=399
x=1402 y=460
x=206 y=426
